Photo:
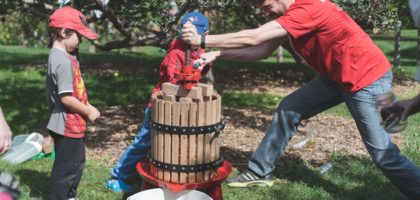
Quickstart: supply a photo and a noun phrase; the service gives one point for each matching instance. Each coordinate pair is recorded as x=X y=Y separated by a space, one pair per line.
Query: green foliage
x=225 y=16
x=232 y=16
x=18 y=28
x=154 y=14
x=7 y=6
x=376 y=15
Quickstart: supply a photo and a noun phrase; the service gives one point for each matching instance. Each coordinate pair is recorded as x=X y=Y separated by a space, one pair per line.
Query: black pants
x=68 y=166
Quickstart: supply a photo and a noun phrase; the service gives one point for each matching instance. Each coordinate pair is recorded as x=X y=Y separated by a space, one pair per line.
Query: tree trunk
x=92 y=48
x=279 y=54
x=418 y=47
x=397 y=53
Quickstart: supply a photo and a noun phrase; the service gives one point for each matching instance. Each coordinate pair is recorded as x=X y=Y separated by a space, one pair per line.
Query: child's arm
x=169 y=65
x=88 y=111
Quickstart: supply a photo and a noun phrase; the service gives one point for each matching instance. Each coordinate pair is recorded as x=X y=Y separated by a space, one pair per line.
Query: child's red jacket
x=175 y=58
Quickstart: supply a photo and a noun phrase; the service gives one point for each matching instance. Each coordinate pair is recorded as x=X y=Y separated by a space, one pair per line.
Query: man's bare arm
x=246 y=54
x=246 y=38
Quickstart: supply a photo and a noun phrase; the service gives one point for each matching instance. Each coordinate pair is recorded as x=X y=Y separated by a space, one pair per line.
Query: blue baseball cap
x=198 y=20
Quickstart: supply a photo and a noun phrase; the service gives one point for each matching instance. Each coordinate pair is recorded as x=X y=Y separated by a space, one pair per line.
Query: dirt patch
x=244 y=130
x=324 y=133
x=405 y=87
x=112 y=132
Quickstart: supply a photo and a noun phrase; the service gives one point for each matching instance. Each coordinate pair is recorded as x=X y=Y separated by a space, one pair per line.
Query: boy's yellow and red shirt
x=64 y=76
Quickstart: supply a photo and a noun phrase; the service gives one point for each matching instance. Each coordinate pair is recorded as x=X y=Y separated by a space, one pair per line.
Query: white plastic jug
x=19 y=139
x=22 y=152
x=166 y=194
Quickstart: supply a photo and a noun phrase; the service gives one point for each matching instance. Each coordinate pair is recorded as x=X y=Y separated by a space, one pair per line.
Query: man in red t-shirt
x=352 y=69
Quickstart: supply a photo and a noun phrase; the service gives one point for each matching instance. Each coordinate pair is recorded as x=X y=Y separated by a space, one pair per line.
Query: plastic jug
x=22 y=152
x=389 y=118
x=166 y=194
x=19 y=139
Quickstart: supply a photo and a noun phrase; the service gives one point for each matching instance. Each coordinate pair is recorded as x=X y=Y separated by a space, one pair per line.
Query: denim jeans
x=321 y=94
x=138 y=150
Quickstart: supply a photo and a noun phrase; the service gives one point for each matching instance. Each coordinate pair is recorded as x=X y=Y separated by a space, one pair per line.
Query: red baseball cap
x=68 y=17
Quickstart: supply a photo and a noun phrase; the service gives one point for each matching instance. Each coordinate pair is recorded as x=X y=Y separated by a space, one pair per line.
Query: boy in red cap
x=68 y=101
x=140 y=148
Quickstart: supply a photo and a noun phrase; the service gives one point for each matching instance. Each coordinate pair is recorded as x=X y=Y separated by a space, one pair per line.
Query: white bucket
x=166 y=194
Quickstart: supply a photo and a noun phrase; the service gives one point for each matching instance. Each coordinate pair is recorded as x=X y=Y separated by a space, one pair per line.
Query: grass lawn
x=22 y=97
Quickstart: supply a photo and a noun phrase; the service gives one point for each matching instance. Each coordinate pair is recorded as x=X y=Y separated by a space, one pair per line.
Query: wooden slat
x=213 y=143
x=176 y=117
x=161 y=144
x=218 y=118
x=154 y=135
x=200 y=140
x=207 y=137
x=167 y=138
x=192 y=147
x=184 y=138
x=177 y=90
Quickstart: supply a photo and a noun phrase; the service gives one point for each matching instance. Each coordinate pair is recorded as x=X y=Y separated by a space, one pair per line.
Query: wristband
x=203 y=41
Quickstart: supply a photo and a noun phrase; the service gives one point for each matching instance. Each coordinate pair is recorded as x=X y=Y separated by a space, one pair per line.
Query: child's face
x=71 y=42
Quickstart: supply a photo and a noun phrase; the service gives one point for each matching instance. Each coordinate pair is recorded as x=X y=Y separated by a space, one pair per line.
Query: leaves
x=376 y=15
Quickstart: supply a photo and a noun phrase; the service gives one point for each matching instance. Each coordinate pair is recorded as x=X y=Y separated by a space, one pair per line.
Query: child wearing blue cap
x=139 y=149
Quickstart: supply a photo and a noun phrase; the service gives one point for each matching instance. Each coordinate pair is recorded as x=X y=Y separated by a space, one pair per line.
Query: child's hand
x=93 y=114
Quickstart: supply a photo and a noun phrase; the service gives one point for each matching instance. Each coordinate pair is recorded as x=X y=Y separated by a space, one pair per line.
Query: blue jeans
x=321 y=94
x=137 y=150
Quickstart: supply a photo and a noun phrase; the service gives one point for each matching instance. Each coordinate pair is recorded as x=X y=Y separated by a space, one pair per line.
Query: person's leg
x=316 y=96
x=138 y=150
x=67 y=163
x=386 y=155
x=313 y=98
x=79 y=149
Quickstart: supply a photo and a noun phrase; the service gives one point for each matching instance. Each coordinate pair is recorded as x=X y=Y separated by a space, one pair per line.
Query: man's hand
x=206 y=58
x=93 y=114
x=401 y=109
x=190 y=35
x=5 y=135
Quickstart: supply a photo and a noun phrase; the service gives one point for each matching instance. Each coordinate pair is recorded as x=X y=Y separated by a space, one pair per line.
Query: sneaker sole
x=252 y=183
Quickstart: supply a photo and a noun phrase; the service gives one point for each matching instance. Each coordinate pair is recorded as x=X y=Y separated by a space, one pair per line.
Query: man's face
x=272 y=8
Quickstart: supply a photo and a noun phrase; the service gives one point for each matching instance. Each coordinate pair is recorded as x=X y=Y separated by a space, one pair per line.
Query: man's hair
x=55 y=33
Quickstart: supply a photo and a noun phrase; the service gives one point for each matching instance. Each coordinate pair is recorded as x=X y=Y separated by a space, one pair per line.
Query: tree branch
x=114 y=20
x=150 y=40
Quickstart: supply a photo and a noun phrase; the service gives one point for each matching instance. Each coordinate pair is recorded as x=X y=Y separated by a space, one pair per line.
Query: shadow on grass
x=37 y=182
x=25 y=102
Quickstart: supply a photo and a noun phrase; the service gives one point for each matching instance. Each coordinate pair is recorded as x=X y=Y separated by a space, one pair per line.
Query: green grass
x=34 y=180
x=22 y=97
x=407 y=48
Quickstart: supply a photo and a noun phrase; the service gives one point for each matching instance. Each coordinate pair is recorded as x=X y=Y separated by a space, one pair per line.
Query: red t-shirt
x=332 y=43
x=75 y=124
